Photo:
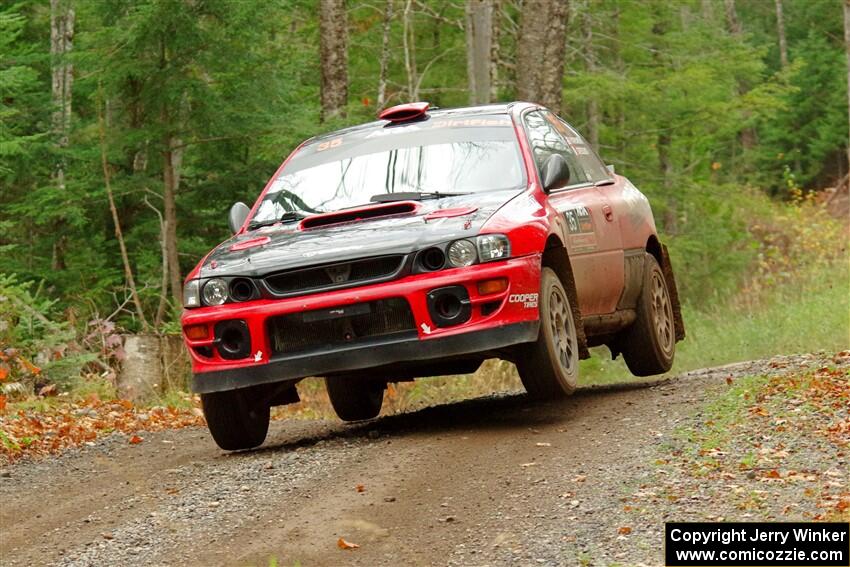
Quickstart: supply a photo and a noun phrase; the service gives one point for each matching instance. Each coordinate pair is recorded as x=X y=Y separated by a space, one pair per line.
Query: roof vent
x=405 y=112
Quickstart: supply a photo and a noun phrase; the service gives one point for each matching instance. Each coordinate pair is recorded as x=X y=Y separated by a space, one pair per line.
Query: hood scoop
x=360 y=214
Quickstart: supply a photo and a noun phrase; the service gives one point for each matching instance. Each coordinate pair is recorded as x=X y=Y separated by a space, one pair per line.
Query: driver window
x=546 y=141
x=589 y=162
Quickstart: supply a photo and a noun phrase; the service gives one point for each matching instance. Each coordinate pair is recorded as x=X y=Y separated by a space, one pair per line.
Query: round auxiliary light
x=462 y=253
x=215 y=292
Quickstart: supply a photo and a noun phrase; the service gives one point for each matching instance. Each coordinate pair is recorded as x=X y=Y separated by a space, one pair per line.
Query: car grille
x=329 y=276
x=350 y=324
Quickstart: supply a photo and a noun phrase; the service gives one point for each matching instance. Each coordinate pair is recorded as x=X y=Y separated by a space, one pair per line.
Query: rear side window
x=546 y=141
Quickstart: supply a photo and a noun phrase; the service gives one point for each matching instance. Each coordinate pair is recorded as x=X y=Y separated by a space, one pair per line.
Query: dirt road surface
x=490 y=481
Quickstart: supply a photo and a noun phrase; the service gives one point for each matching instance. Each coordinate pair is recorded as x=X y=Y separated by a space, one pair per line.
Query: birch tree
x=333 y=48
x=62 y=18
x=780 y=32
x=479 y=43
x=847 y=51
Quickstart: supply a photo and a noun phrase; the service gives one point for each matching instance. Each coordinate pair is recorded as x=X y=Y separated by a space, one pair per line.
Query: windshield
x=442 y=155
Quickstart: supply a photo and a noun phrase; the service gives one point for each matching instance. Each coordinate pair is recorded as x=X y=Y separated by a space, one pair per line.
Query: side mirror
x=556 y=172
x=237 y=215
x=611 y=168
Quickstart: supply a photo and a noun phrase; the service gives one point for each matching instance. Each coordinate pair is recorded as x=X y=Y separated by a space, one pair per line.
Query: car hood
x=287 y=246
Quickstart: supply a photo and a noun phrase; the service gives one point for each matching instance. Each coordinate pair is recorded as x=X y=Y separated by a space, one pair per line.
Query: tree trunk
x=385 y=55
x=541 y=47
x=620 y=66
x=747 y=134
x=590 y=64
x=847 y=49
x=707 y=8
x=172 y=157
x=479 y=30
x=408 y=44
x=119 y=235
x=61 y=42
x=495 y=32
x=732 y=21
x=780 y=31
x=163 y=286
x=552 y=72
x=333 y=50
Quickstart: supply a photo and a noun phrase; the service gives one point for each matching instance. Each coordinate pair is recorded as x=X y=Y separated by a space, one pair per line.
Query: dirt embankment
x=496 y=480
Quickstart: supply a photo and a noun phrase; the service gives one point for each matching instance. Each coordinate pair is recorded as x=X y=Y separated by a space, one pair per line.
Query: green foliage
x=236 y=86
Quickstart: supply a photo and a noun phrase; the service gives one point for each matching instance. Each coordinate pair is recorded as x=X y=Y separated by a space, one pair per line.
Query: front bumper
x=365 y=356
x=514 y=321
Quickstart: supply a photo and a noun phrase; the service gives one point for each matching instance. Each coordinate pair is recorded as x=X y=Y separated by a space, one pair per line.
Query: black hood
x=291 y=247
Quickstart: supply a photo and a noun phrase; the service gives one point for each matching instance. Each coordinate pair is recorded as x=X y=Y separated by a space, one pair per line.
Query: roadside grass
x=766 y=446
x=810 y=313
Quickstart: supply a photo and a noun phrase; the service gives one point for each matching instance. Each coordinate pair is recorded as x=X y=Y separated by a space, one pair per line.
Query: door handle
x=608 y=212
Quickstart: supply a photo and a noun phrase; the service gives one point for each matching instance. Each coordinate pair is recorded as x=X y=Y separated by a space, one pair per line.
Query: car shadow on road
x=507 y=411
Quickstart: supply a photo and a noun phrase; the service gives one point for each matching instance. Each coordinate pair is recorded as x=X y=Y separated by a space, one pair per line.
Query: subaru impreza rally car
x=422 y=244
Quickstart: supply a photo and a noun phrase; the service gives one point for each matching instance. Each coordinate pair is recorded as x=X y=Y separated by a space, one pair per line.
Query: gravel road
x=490 y=481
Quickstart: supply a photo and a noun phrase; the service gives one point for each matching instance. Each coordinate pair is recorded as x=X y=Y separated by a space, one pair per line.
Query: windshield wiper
x=411 y=196
x=288 y=216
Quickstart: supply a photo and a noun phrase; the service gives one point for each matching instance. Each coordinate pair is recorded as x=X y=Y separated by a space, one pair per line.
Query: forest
x=129 y=127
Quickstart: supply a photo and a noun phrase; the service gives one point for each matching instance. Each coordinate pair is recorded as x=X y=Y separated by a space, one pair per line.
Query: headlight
x=461 y=253
x=191 y=294
x=215 y=292
x=493 y=247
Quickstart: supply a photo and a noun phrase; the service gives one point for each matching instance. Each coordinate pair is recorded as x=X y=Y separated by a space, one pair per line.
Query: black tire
x=548 y=367
x=237 y=419
x=649 y=344
x=354 y=398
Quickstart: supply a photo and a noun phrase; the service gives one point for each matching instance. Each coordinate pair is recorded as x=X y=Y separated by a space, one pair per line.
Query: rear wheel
x=650 y=343
x=237 y=419
x=548 y=367
x=354 y=398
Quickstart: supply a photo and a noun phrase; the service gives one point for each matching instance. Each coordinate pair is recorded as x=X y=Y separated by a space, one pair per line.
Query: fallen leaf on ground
x=360 y=488
x=48 y=391
x=135 y=440
x=342 y=544
x=625 y=530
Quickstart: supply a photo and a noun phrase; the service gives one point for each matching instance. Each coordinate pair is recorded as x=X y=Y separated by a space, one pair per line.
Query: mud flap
x=667 y=269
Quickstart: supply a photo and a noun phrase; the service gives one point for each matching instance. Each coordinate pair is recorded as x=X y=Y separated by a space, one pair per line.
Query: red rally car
x=422 y=244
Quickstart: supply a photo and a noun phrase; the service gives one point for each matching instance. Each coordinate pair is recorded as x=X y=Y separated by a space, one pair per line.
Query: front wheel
x=354 y=398
x=548 y=367
x=650 y=343
x=237 y=419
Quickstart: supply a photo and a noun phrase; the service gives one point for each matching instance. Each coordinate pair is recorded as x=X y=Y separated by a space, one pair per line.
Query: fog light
x=196 y=332
x=497 y=285
x=233 y=339
x=449 y=306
